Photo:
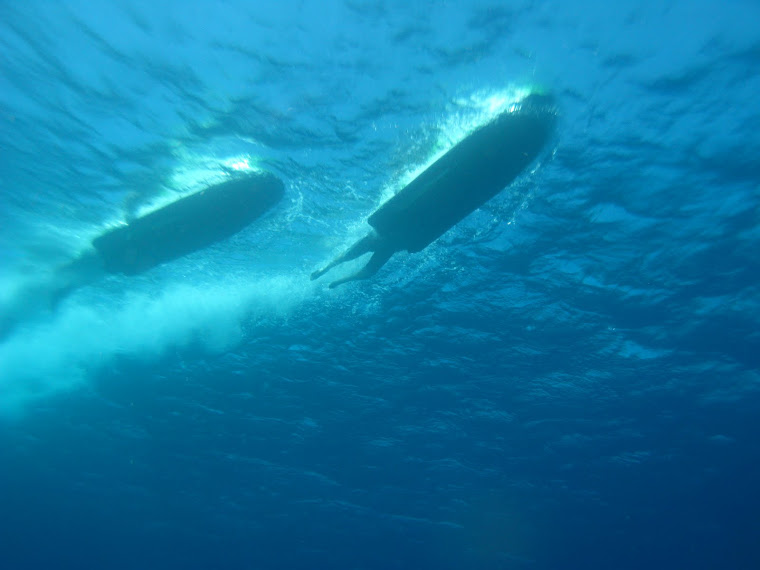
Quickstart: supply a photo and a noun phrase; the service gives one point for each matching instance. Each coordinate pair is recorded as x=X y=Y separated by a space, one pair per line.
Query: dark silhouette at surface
x=462 y=180
x=187 y=225
x=182 y=227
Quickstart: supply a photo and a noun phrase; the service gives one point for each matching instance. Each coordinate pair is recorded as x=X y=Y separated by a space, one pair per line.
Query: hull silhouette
x=462 y=180
x=189 y=224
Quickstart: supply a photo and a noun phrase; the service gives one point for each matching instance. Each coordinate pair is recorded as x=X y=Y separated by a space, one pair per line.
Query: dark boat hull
x=189 y=224
x=467 y=176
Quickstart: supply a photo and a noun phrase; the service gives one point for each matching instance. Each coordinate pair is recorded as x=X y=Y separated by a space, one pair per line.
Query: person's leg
x=375 y=262
x=364 y=245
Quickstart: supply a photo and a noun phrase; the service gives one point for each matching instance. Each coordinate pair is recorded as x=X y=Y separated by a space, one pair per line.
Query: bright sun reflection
x=238 y=163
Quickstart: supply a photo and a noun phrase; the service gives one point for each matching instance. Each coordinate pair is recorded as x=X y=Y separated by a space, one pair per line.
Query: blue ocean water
x=569 y=378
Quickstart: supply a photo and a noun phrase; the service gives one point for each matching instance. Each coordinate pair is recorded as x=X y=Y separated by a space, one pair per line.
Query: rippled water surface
x=569 y=378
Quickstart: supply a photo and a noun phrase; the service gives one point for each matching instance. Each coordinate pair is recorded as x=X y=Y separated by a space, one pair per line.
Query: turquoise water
x=567 y=379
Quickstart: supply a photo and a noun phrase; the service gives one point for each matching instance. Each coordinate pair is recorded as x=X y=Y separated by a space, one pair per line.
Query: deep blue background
x=568 y=379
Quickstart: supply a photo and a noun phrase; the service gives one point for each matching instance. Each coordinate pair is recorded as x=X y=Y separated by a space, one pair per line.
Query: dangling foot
x=375 y=262
x=319 y=273
x=366 y=244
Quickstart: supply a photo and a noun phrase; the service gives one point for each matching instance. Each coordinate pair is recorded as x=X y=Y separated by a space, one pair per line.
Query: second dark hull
x=189 y=224
x=467 y=176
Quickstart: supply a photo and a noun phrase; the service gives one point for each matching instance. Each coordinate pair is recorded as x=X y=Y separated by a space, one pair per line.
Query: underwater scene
x=377 y=285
